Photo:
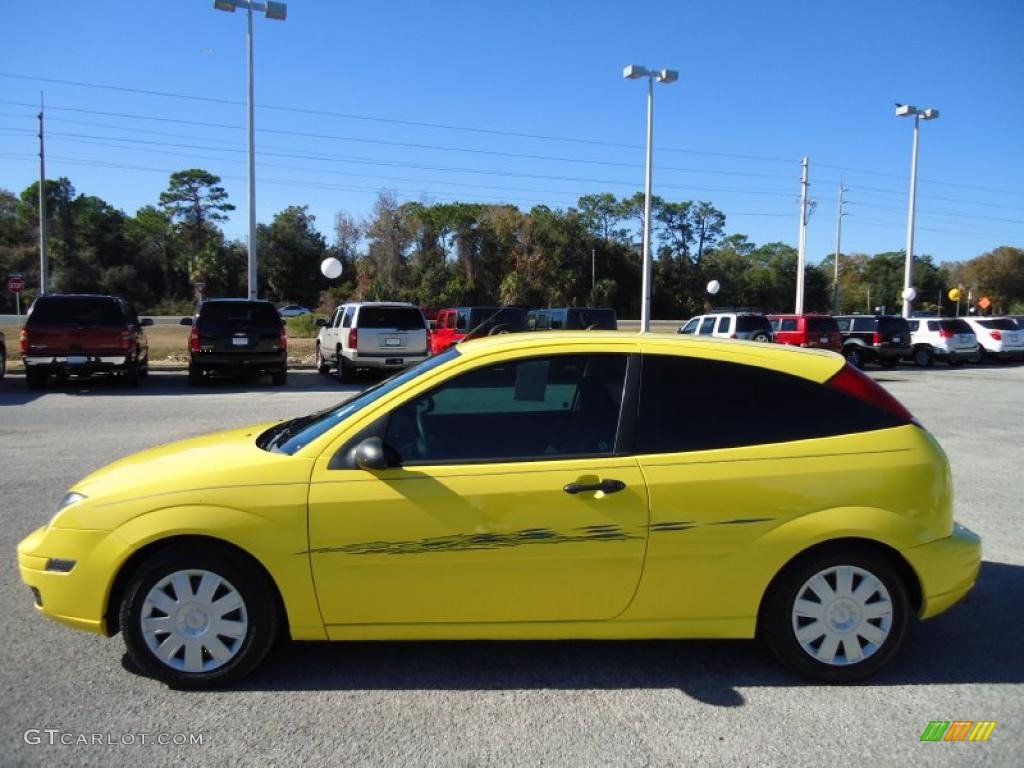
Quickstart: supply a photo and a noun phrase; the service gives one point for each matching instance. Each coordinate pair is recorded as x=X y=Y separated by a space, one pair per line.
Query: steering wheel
x=423 y=407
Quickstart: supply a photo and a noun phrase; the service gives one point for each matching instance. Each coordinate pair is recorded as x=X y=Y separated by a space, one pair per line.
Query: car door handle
x=608 y=486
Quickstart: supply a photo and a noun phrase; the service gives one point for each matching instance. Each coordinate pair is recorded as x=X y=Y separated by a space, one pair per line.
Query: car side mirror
x=321 y=323
x=146 y=321
x=185 y=321
x=369 y=454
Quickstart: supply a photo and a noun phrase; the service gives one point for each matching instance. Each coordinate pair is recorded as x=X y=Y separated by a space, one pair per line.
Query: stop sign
x=15 y=283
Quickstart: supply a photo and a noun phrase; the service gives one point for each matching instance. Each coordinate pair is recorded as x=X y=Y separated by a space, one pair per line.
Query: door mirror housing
x=321 y=323
x=146 y=321
x=185 y=321
x=369 y=455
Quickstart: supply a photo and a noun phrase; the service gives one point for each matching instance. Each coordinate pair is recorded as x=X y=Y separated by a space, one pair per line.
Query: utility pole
x=44 y=260
x=839 y=238
x=593 y=270
x=253 y=283
x=802 y=251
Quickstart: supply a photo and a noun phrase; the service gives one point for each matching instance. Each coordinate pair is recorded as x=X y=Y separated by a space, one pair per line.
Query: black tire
x=322 y=366
x=764 y=338
x=777 y=622
x=923 y=357
x=35 y=378
x=345 y=371
x=195 y=376
x=280 y=377
x=3 y=364
x=131 y=376
x=978 y=356
x=853 y=356
x=259 y=611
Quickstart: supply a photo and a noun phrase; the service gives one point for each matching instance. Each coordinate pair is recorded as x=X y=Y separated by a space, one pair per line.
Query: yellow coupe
x=557 y=485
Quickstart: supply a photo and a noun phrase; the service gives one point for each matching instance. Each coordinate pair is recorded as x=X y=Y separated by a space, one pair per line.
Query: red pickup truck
x=82 y=334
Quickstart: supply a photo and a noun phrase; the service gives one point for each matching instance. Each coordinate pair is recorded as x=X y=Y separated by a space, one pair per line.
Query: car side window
x=789 y=324
x=732 y=412
x=933 y=325
x=706 y=327
x=691 y=326
x=725 y=324
x=521 y=410
x=843 y=323
x=346 y=318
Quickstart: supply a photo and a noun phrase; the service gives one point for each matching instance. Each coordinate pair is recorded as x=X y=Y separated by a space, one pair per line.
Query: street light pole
x=801 y=256
x=635 y=72
x=905 y=110
x=279 y=12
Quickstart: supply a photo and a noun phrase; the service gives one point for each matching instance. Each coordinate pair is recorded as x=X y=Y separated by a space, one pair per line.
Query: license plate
x=77 y=359
x=897 y=339
x=240 y=342
x=392 y=342
x=823 y=340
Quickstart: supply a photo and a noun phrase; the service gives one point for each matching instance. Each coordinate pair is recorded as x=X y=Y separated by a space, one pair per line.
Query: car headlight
x=70 y=498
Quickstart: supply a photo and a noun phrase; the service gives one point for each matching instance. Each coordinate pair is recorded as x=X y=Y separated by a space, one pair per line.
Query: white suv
x=731 y=325
x=999 y=337
x=381 y=335
x=946 y=338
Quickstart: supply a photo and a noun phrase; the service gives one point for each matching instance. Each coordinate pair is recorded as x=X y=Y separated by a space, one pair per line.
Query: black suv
x=81 y=334
x=237 y=336
x=882 y=339
x=572 y=319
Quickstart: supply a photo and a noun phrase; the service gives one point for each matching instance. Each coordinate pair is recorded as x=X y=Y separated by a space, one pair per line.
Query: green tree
x=291 y=250
x=195 y=200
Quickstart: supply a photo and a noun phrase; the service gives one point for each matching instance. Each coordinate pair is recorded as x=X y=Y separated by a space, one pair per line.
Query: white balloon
x=909 y=294
x=331 y=268
x=713 y=287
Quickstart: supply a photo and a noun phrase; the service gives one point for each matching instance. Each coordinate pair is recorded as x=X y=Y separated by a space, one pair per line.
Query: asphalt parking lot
x=559 y=703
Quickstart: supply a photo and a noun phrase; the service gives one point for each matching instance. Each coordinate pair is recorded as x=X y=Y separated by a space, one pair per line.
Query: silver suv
x=380 y=335
x=945 y=338
x=752 y=326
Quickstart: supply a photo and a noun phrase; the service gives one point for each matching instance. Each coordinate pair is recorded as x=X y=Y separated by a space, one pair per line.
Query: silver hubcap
x=194 y=621
x=842 y=615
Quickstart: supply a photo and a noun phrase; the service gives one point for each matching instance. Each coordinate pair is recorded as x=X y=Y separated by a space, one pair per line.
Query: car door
x=509 y=498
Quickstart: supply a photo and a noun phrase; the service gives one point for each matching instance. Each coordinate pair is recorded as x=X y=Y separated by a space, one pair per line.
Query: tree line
x=447 y=254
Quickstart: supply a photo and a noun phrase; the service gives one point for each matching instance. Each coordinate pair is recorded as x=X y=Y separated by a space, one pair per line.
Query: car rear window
x=603 y=319
x=238 y=312
x=491 y=317
x=822 y=325
x=752 y=323
x=955 y=326
x=999 y=324
x=399 y=318
x=77 y=311
x=887 y=325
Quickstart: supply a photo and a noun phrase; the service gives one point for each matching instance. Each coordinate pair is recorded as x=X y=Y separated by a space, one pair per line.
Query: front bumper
x=77 y=597
x=947 y=569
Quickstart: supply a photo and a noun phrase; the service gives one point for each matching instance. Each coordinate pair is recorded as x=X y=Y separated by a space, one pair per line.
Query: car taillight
x=353 y=339
x=876 y=338
x=24 y=341
x=997 y=335
x=127 y=339
x=193 y=339
x=945 y=334
x=282 y=340
x=853 y=382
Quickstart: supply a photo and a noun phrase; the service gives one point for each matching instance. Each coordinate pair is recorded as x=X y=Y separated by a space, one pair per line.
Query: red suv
x=819 y=331
x=453 y=325
x=82 y=334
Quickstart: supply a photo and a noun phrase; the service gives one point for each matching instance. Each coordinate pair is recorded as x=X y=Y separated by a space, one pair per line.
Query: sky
x=525 y=103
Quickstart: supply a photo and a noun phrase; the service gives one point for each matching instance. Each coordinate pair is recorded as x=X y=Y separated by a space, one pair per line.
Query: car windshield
x=289 y=436
x=399 y=318
x=77 y=311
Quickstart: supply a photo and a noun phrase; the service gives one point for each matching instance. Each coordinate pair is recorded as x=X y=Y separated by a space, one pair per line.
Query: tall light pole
x=905 y=110
x=276 y=11
x=635 y=72
x=801 y=254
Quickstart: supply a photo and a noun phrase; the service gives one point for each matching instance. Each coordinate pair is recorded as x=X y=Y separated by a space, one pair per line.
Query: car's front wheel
x=836 y=617
x=764 y=338
x=922 y=357
x=199 y=616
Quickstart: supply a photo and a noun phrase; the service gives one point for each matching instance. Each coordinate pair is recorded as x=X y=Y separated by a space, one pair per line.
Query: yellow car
x=557 y=485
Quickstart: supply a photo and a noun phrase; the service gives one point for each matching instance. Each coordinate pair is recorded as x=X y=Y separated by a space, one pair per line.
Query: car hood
x=183 y=472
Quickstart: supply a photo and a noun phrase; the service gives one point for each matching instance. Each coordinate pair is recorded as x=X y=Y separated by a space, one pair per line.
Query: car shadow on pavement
x=13 y=390
x=975 y=642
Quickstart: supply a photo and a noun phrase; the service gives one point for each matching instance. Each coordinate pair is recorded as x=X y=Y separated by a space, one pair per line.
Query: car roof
x=815 y=364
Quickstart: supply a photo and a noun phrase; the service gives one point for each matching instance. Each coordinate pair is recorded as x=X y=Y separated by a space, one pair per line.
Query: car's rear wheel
x=345 y=370
x=280 y=377
x=195 y=376
x=836 y=617
x=853 y=356
x=322 y=366
x=3 y=364
x=198 y=617
x=761 y=337
x=35 y=378
x=923 y=357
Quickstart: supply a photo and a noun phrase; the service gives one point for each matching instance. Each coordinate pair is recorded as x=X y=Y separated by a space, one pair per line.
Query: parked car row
x=883 y=339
